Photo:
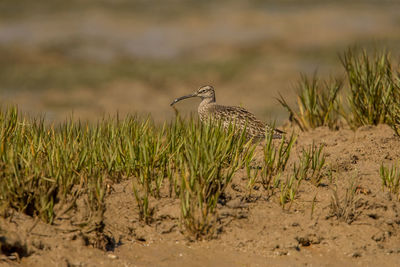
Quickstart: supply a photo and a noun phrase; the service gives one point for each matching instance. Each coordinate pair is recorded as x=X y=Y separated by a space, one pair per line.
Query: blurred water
x=101 y=34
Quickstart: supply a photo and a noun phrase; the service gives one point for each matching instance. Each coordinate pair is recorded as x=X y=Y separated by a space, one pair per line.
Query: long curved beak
x=182 y=97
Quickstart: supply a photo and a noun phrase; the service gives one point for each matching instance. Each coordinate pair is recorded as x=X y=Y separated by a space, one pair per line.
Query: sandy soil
x=252 y=230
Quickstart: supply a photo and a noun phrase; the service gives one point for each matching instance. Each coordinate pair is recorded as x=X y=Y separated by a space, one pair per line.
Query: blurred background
x=93 y=57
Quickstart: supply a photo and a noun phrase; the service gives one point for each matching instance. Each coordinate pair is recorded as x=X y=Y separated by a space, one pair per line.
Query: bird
x=241 y=117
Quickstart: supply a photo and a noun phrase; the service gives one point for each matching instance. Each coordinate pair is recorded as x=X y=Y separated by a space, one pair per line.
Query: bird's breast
x=204 y=112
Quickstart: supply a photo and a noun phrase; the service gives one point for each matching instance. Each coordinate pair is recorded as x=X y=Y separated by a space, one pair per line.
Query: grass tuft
x=317 y=103
x=345 y=209
x=209 y=158
x=275 y=160
x=372 y=95
x=371 y=84
x=390 y=179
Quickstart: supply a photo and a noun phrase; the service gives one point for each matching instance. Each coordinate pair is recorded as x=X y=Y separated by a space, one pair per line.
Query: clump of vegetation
x=317 y=102
x=37 y=172
x=313 y=160
x=208 y=159
x=394 y=116
x=275 y=159
x=289 y=188
x=372 y=94
x=309 y=168
x=371 y=84
x=45 y=166
x=345 y=209
x=394 y=110
x=390 y=179
x=149 y=155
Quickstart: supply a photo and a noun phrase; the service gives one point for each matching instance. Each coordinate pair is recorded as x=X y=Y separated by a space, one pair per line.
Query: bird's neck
x=208 y=100
x=205 y=104
x=204 y=107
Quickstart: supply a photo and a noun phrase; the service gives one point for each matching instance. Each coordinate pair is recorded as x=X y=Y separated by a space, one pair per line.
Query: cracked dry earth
x=252 y=230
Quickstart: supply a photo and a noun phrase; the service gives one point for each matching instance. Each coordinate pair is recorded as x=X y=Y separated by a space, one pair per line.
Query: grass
x=390 y=179
x=275 y=160
x=345 y=209
x=44 y=167
x=312 y=162
x=308 y=168
x=289 y=189
x=273 y=164
x=208 y=160
x=371 y=87
x=371 y=90
x=394 y=110
x=318 y=104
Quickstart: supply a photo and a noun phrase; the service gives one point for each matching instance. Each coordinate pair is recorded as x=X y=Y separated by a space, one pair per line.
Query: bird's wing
x=242 y=118
x=236 y=113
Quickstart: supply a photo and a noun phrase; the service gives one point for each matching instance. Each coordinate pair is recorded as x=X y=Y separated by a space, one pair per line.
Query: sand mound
x=252 y=229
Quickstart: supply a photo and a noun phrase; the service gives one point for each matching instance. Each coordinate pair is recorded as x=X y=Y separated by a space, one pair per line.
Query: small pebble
x=112 y=256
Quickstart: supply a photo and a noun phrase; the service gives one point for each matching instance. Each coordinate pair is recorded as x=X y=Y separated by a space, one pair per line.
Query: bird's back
x=239 y=116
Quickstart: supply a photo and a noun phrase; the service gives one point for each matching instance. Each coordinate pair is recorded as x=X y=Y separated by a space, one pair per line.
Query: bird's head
x=204 y=92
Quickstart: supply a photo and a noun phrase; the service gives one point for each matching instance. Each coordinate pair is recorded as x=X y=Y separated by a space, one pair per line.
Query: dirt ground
x=252 y=230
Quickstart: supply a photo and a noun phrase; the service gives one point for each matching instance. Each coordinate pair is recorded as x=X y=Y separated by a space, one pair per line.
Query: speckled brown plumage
x=209 y=109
